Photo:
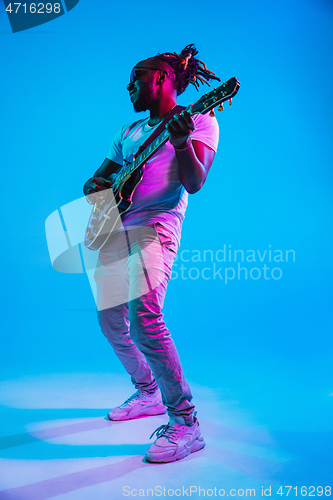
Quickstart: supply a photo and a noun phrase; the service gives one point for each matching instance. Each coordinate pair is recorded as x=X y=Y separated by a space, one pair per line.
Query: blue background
x=63 y=87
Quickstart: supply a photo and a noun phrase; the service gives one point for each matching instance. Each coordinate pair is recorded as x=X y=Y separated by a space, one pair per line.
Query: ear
x=162 y=76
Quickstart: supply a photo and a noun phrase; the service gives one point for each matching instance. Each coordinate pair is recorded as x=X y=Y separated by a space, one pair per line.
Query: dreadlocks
x=185 y=68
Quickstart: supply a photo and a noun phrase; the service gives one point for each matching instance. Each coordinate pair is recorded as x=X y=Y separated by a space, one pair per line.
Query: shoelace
x=166 y=431
x=134 y=397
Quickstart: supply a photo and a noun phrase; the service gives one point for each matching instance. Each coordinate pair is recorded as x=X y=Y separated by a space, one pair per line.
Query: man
x=133 y=321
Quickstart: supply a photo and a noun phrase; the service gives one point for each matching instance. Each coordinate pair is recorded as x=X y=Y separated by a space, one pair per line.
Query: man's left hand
x=180 y=128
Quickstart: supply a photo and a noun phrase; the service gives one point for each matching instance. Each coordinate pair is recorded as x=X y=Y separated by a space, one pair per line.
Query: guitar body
x=105 y=217
x=127 y=189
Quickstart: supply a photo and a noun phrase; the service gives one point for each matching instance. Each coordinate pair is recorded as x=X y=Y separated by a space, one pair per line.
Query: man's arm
x=99 y=180
x=194 y=163
x=194 y=158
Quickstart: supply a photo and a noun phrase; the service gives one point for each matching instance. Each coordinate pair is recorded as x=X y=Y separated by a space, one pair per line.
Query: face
x=142 y=87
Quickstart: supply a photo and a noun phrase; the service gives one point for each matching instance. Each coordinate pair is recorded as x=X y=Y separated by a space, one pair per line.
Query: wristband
x=187 y=145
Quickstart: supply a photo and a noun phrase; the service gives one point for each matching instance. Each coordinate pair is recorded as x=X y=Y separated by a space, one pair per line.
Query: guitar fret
x=210 y=100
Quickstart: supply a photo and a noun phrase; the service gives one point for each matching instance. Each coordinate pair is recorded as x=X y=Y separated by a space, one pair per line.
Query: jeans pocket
x=167 y=239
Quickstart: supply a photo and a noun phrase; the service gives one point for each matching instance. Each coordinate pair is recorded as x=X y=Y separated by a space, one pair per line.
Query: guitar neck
x=144 y=156
x=207 y=102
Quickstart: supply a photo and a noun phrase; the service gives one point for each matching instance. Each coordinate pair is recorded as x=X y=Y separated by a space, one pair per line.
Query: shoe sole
x=197 y=445
x=151 y=412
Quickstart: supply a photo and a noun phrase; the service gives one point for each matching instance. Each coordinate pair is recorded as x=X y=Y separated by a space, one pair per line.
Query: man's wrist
x=85 y=187
x=187 y=144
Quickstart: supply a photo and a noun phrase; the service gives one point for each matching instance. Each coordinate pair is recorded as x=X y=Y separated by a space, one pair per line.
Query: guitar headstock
x=211 y=99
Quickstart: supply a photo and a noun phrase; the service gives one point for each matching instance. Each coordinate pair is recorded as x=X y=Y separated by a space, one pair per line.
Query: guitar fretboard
x=143 y=157
x=203 y=105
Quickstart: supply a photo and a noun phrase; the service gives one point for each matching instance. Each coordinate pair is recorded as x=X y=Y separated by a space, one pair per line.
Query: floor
x=57 y=443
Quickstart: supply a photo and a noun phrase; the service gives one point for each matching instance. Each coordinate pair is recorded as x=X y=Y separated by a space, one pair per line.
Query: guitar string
x=116 y=192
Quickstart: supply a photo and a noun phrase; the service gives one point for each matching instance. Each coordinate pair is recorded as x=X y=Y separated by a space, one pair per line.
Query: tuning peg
x=230 y=101
x=212 y=112
x=220 y=108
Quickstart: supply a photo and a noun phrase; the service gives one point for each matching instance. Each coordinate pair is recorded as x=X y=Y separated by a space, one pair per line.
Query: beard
x=143 y=100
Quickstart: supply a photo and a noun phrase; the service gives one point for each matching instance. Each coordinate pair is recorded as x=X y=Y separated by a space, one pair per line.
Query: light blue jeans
x=132 y=277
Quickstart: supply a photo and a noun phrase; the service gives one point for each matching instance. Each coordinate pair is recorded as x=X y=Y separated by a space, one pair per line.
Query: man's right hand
x=96 y=184
x=93 y=187
x=103 y=179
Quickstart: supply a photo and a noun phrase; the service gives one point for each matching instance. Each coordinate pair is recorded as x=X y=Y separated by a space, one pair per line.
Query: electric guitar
x=106 y=213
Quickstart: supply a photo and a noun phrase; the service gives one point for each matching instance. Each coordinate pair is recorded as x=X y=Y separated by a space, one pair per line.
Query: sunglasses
x=133 y=75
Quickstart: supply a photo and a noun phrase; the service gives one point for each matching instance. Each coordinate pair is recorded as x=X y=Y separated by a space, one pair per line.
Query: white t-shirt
x=160 y=196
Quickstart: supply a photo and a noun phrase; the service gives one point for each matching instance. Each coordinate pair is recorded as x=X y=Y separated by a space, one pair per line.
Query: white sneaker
x=140 y=404
x=174 y=442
